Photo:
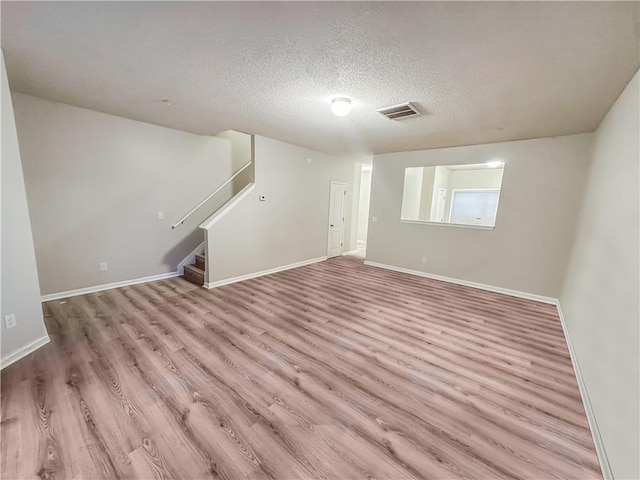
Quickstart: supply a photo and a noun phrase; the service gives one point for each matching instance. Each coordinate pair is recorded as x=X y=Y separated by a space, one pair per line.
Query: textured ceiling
x=483 y=72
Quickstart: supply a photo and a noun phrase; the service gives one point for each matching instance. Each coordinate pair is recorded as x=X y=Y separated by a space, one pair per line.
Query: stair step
x=200 y=261
x=194 y=274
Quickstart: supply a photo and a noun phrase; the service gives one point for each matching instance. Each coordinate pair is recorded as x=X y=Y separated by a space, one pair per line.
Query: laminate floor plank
x=355 y=347
x=335 y=370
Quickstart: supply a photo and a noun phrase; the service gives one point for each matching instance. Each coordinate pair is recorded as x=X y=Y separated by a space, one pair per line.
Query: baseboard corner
x=22 y=352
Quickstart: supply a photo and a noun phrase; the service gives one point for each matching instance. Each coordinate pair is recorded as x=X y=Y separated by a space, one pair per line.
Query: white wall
x=363 y=210
x=427 y=194
x=19 y=276
x=600 y=295
x=241 y=153
x=95 y=183
x=441 y=180
x=292 y=224
x=528 y=249
x=411 y=193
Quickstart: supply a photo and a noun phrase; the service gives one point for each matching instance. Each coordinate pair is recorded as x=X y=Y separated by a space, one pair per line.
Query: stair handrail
x=181 y=221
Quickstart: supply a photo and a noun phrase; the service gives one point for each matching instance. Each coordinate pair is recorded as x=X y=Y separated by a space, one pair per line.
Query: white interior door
x=336 y=218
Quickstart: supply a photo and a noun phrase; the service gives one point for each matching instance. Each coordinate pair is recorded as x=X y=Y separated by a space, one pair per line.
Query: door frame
x=344 y=216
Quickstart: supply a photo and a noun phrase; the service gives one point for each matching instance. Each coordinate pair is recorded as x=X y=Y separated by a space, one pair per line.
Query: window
x=474 y=207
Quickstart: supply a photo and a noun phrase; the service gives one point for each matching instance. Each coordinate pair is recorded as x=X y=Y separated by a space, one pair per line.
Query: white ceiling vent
x=397 y=112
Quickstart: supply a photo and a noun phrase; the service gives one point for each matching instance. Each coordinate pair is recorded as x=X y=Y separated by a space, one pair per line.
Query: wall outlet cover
x=104 y=266
x=10 y=320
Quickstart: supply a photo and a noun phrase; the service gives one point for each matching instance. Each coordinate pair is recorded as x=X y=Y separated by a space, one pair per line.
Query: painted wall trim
x=226 y=208
x=22 y=352
x=350 y=252
x=248 y=276
x=481 y=286
x=447 y=224
x=191 y=258
x=591 y=419
x=107 y=286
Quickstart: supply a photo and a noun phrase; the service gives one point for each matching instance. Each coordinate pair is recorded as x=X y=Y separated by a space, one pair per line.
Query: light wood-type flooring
x=332 y=370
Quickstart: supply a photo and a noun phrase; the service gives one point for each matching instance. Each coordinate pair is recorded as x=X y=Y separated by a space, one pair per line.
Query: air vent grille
x=397 y=112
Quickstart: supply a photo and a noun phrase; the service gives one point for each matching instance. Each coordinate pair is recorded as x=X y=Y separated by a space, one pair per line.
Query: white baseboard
x=22 y=352
x=107 y=286
x=591 y=419
x=248 y=276
x=481 y=286
x=350 y=252
x=191 y=258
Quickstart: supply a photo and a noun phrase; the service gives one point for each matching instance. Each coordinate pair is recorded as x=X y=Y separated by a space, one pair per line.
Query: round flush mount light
x=340 y=106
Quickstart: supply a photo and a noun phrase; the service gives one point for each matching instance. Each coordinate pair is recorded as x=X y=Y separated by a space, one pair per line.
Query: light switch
x=160 y=215
x=374 y=219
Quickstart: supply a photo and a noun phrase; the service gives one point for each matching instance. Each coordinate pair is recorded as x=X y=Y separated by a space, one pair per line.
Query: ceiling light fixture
x=494 y=164
x=340 y=106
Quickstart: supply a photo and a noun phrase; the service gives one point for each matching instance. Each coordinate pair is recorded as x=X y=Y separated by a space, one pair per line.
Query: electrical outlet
x=160 y=215
x=10 y=320
x=424 y=259
x=104 y=267
x=374 y=219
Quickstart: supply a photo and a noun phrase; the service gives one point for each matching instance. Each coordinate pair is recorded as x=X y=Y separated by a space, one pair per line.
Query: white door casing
x=441 y=200
x=337 y=199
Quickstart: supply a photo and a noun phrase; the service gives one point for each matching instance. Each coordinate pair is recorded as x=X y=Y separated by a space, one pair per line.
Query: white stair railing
x=194 y=209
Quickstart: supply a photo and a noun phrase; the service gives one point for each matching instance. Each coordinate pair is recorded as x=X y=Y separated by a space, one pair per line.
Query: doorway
x=336 y=219
x=363 y=209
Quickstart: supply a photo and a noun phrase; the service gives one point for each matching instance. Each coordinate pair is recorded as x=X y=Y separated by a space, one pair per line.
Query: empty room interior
x=332 y=240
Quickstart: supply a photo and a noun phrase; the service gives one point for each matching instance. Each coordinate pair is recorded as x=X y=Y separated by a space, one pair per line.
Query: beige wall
x=363 y=207
x=20 y=291
x=440 y=180
x=600 y=295
x=426 y=197
x=292 y=224
x=529 y=247
x=241 y=153
x=95 y=183
x=411 y=193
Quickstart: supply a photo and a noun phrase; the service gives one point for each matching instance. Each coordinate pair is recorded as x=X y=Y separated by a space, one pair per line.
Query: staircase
x=194 y=273
x=236 y=186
